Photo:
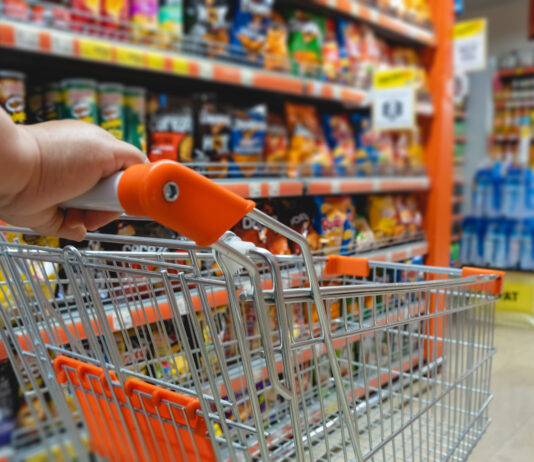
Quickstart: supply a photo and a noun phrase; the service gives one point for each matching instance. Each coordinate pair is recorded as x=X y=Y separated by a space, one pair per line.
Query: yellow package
x=383 y=217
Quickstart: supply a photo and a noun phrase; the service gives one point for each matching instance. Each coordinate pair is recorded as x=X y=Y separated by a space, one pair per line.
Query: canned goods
x=36 y=105
x=111 y=108
x=134 y=115
x=53 y=101
x=13 y=94
x=79 y=96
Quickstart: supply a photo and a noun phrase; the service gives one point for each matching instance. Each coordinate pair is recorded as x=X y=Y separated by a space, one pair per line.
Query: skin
x=45 y=164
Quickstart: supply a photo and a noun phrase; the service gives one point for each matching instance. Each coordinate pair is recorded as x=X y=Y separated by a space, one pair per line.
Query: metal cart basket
x=159 y=349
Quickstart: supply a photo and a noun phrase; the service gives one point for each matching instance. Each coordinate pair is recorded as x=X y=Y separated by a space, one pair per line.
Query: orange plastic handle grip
x=337 y=265
x=497 y=285
x=181 y=199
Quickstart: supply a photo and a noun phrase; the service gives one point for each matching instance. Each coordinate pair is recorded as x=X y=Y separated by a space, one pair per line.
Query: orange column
x=439 y=146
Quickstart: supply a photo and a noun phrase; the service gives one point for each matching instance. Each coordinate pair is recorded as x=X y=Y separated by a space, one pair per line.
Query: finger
x=94 y=219
x=125 y=155
x=73 y=226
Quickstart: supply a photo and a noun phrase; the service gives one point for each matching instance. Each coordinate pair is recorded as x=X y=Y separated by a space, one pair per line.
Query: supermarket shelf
x=516 y=72
x=149 y=314
x=380 y=19
x=267 y=187
x=67 y=44
x=365 y=185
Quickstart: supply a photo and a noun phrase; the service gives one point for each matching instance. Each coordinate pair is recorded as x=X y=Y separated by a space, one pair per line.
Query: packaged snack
x=334 y=222
x=13 y=95
x=297 y=216
x=18 y=9
x=366 y=144
x=307 y=143
x=36 y=105
x=79 y=96
x=383 y=217
x=144 y=18
x=247 y=139
x=276 y=51
x=134 y=117
x=53 y=101
x=249 y=28
x=210 y=25
x=170 y=19
x=306 y=33
x=171 y=131
x=214 y=127
x=85 y=15
x=365 y=238
x=330 y=52
x=115 y=13
x=276 y=140
x=271 y=240
x=57 y=15
x=248 y=230
x=111 y=108
x=340 y=137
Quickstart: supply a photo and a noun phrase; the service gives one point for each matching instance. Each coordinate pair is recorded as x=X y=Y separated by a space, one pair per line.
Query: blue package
x=334 y=222
x=249 y=29
x=528 y=211
x=340 y=139
x=495 y=253
x=514 y=243
x=469 y=241
x=513 y=192
x=247 y=139
x=526 y=258
x=366 y=143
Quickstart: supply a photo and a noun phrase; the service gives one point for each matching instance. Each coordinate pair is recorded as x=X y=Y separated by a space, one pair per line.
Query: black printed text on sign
x=470 y=46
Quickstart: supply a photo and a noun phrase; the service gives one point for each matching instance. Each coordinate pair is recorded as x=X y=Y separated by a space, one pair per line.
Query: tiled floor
x=510 y=437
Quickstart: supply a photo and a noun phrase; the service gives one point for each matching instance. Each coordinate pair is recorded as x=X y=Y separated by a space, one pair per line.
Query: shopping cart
x=214 y=349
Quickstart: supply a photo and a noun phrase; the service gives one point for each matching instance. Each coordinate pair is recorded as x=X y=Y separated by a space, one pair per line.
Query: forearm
x=18 y=155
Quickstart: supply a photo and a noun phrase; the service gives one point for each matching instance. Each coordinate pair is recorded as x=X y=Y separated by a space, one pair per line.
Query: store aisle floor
x=510 y=436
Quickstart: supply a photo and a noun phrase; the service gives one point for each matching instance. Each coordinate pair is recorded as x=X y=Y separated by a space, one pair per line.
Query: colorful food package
x=17 y=9
x=144 y=18
x=213 y=133
x=365 y=238
x=271 y=240
x=409 y=214
x=171 y=131
x=111 y=108
x=80 y=100
x=249 y=28
x=247 y=139
x=36 y=105
x=306 y=33
x=330 y=52
x=383 y=217
x=418 y=11
x=350 y=39
x=297 y=214
x=135 y=116
x=334 y=222
x=85 y=15
x=115 y=13
x=53 y=101
x=210 y=24
x=307 y=143
x=13 y=95
x=276 y=52
x=276 y=140
x=171 y=20
x=366 y=141
x=57 y=15
x=340 y=138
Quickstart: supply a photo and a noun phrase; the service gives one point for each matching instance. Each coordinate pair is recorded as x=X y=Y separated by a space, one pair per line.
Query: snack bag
x=386 y=152
x=250 y=26
x=248 y=230
x=213 y=131
x=298 y=216
x=340 y=137
x=306 y=32
x=115 y=13
x=247 y=139
x=330 y=52
x=409 y=214
x=144 y=18
x=307 y=144
x=170 y=20
x=334 y=222
x=276 y=52
x=272 y=241
x=351 y=43
x=366 y=141
x=276 y=140
x=171 y=131
x=383 y=217
x=210 y=24
x=85 y=15
x=365 y=238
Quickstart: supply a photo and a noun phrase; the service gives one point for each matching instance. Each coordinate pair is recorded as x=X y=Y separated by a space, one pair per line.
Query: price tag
x=62 y=44
x=156 y=61
x=517 y=296
x=180 y=66
x=470 y=46
x=394 y=99
x=274 y=189
x=121 y=319
x=27 y=37
x=95 y=50
x=130 y=57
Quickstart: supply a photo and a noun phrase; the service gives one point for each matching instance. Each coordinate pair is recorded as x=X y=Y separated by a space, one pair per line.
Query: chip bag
x=276 y=141
x=306 y=32
x=334 y=222
x=383 y=217
x=211 y=25
x=307 y=143
x=366 y=143
x=365 y=238
x=340 y=138
x=273 y=242
x=297 y=215
x=276 y=51
x=247 y=139
x=330 y=52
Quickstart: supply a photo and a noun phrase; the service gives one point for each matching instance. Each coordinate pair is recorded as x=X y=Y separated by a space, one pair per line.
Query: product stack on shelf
x=269 y=99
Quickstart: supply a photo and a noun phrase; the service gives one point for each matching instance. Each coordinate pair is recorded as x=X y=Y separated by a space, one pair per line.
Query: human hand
x=53 y=162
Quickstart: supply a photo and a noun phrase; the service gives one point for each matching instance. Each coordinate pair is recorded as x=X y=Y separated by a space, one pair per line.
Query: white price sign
x=470 y=46
x=394 y=99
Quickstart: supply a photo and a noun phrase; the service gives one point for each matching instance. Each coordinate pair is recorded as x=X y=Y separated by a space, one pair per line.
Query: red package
x=85 y=15
x=17 y=9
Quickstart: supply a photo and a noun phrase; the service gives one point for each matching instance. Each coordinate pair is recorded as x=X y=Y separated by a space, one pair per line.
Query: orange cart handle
x=496 y=286
x=337 y=265
x=171 y=194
